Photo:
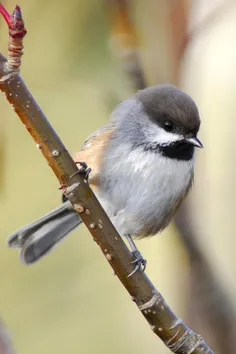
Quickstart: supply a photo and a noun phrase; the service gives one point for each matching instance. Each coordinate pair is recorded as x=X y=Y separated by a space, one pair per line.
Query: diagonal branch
x=164 y=323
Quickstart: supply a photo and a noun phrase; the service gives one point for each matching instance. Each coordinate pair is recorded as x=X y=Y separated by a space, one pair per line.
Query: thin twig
x=124 y=41
x=173 y=332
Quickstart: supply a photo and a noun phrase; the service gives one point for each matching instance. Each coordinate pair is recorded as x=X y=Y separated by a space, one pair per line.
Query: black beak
x=194 y=141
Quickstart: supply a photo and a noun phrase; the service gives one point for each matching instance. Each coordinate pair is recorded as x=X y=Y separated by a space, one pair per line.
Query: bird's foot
x=83 y=170
x=139 y=262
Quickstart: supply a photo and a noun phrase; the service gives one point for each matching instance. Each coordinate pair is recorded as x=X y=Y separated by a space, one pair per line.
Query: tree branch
x=172 y=331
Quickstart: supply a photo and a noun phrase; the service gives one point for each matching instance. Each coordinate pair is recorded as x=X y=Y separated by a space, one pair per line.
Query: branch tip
x=17 y=15
x=14 y=22
x=17 y=26
x=17 y=32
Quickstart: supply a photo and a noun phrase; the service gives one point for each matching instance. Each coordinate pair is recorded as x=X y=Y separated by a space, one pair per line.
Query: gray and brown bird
x=142 y=167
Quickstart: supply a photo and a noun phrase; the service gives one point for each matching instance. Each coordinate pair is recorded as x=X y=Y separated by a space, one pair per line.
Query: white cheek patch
x=164 y=137
x=156 y=134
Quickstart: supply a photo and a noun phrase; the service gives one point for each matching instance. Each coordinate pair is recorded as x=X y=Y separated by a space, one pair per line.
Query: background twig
x=5 y=341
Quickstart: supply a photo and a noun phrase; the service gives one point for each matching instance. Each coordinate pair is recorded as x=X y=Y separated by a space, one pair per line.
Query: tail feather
x=39 y=237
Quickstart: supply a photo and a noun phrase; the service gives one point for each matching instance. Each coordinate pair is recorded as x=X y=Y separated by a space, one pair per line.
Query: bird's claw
x=139 y=262
x=83 y=170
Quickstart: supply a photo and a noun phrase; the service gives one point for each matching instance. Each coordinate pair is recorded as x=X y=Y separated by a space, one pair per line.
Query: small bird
x=141 y=167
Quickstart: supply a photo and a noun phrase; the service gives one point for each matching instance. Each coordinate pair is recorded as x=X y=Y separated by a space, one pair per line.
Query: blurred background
x=81 y=58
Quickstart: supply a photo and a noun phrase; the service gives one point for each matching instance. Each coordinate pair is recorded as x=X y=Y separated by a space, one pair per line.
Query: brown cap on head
x=165 y=103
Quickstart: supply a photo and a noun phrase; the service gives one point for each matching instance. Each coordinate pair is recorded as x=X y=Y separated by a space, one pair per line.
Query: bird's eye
x=169 y=126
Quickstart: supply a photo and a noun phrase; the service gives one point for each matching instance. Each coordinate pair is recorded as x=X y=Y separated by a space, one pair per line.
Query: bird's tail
x=39 y=237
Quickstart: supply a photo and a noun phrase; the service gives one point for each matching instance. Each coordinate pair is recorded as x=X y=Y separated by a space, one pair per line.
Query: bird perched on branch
x=141 y=167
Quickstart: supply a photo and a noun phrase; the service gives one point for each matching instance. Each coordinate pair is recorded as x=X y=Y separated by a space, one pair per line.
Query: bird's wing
x=92 y=151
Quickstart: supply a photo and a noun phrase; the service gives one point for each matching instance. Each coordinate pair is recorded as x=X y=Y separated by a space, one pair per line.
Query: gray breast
x=140 y=190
